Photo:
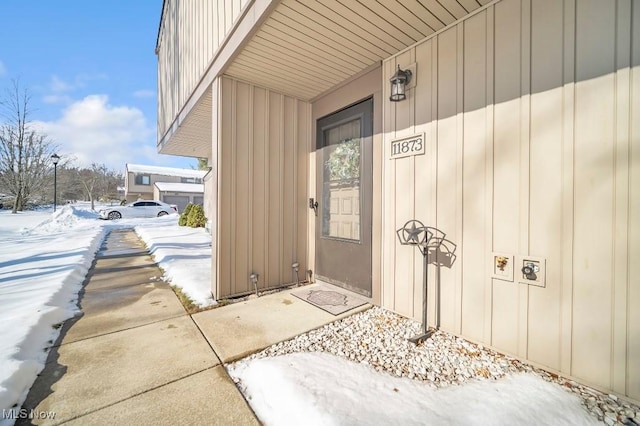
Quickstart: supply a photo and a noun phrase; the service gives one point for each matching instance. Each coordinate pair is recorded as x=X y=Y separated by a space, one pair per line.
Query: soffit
x=306 y=47
x=192 y=138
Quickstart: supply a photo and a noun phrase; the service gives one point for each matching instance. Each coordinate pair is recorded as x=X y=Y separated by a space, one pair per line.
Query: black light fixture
x=55 y=158
x=399 y=83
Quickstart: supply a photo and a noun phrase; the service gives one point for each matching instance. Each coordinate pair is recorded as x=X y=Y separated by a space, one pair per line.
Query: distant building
x=179 y=194
x=141 y=181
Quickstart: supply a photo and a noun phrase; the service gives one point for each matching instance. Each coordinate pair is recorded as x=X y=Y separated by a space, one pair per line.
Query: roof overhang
x=307 y=48
x=190 y=134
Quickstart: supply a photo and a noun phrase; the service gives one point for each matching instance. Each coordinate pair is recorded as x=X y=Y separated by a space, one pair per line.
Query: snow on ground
x=323 y=389
x=44 y=258
x=42 y=268
x=185 y=256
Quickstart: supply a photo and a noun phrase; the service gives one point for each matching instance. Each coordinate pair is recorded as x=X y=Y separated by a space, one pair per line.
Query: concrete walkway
x=135 y=356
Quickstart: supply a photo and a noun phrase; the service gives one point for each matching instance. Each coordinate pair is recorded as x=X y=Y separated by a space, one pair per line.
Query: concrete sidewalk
x=135 y=356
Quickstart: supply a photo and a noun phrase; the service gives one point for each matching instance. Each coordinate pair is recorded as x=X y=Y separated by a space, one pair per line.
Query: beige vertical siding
x=191 y=32
x=530 y=110
x=263 y=147
x=629 y=281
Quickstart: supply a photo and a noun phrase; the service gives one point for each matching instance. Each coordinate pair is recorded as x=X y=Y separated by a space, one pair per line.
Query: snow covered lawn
x=41 y=272
x=185 y=256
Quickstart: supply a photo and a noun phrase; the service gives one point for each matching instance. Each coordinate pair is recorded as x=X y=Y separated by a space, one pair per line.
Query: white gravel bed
x=378 y=337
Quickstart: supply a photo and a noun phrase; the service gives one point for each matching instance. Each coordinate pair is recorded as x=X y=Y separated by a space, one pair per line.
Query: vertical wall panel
x=593 y=196
x=506 y=192
x=212 y=184
x=446 y=69
x=621 y=209
x=288 y=197
x=259 y=170
x=545 y=221
x=274 y=179
x=425 y=166
x=388 y=216
x=243 y=187
x=633 y=282
x=568 y=141
x=225 y=171
x=303 y=172
x=474 y=275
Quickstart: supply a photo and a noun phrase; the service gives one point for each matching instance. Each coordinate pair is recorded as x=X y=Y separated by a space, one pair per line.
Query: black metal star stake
x=414 y=233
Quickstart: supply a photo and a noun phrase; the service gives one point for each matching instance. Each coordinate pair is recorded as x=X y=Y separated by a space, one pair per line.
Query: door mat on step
x=330 y=299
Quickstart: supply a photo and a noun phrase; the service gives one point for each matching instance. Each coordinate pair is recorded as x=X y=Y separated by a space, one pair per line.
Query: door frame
x=362 y=255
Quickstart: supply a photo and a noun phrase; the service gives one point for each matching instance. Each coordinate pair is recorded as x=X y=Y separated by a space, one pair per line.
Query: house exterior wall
x=262 y=146
x=191 y=32
x=531 y=116
x=134 y=192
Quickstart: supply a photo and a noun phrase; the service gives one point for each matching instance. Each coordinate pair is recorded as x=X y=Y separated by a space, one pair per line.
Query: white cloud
x=56 y=99
x=79 y=81
x=144 y=93
x=58 y=85
x=3 y=69
x=92 y=130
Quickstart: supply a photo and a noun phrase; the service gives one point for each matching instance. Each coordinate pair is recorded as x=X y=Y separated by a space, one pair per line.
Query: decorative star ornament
x=413 y=233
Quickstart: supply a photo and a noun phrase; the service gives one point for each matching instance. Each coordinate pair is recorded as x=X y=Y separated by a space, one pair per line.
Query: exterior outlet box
x=531 y=270
x=502 y=266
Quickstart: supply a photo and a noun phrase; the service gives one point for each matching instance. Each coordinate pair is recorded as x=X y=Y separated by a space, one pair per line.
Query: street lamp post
x=55 y=158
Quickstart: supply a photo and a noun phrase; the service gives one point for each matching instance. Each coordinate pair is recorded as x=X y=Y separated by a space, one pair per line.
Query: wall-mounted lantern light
x=399 y=83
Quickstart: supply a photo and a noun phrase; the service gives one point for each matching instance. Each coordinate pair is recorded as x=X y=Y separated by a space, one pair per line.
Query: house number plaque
x=405 y=147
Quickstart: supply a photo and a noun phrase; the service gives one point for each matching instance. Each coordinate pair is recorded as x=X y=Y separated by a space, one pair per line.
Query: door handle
x=313 y=205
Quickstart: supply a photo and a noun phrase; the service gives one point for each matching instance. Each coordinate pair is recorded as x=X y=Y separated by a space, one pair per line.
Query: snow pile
x=183 y=253
x=322 y=389
x=64 y=218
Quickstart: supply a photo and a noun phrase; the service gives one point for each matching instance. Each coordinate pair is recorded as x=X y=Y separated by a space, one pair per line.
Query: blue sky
x=91 y=70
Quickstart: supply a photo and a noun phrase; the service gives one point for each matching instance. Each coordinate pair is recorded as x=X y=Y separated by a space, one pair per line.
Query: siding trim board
x=533 y=134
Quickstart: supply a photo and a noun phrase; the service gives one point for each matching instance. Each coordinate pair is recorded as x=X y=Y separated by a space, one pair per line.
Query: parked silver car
x=141 y=208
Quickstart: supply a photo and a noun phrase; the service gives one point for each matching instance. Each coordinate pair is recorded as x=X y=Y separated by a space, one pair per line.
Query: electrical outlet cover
x=540 y=275
x=502 y=266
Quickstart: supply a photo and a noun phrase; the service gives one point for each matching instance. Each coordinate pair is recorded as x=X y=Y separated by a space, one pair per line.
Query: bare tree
x=99 y=182
x=88 y=178
x=25 y=154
